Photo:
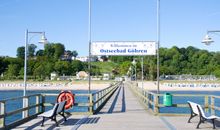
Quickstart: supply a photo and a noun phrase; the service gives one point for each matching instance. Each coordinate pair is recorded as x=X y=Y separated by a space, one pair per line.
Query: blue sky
x=183 y=22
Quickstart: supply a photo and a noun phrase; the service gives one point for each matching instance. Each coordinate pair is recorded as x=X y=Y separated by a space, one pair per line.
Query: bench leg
x=201 y=120
x=213 y=122
x=62 y=114
x=191 y=117
x=43 y=122
x=55 y=119
x=198 y=124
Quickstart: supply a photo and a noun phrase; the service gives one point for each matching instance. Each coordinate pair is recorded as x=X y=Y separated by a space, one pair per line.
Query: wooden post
x=97 y=98
x=37 y=102
x=25 y=112
x=43 y=101
x=104 y=91
x=102 y=97
x=90 y=104
x=212 y=105
x=206 y=105
x=142 y=95
x=2 y=112
x=150 y=101
x=147 y=99
x=156 y=108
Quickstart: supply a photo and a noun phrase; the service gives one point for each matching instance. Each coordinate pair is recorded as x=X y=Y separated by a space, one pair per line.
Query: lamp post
x=131 y=72
x=207 y=39
x=135 y=71
x=158 y=45
x=89 y=37
x=142 y=72
x=42 y=40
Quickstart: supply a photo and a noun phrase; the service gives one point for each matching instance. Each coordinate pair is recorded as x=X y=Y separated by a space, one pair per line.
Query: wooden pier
x=123 y=111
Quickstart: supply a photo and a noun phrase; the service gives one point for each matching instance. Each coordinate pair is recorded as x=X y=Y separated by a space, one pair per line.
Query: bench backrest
x=193 y=107
x=61 y=107
x=201 y=111
x=55 y=107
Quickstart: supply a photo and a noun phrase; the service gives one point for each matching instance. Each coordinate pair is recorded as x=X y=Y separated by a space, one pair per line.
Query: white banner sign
x=123 y=48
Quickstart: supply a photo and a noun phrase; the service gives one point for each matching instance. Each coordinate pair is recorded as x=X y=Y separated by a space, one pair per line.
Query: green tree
x=152 y=70
x=21 y=52
x=104 y=58
x=62 y=67
x=74 y=53
x=39 y=72
x=217 y=71
x=12 y=71
x=49 y=68
x=31 y=50
x=3 y=65
x=58 y=50
x=49 y=50
x=21 y=72
x=77 y=66
x=120 y=59
x=124 y=67
x=40 y=53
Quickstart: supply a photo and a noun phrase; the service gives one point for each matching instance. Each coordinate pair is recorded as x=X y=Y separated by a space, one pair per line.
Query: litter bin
x=167 y=99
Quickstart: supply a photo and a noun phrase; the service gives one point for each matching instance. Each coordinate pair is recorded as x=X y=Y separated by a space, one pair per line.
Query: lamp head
x=43 y=39
x=207 y=40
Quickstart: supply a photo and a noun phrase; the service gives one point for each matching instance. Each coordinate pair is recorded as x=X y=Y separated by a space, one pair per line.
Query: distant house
x=106 y=76
x=86 y=59
x=83 y=59
x=53 y=76
x=82 y=75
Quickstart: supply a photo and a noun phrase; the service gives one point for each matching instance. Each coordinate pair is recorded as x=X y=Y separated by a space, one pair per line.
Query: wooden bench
x=196 y=109
x=193 y=109
x=51 y=114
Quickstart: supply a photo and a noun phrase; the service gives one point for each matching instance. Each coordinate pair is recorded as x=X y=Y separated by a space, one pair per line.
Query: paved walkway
x=122 y=112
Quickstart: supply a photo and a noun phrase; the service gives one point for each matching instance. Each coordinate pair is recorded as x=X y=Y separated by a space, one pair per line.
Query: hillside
x=105 y=67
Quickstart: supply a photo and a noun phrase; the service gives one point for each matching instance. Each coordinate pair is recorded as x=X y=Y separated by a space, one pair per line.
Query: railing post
x=102 y=97
x=206 y=105
x=143 y=95
x=2 y=112
x=104 y=91
x=25 y=105
x=90 y=104
x=156 y=108
x=43 y=101
x=97 y=98
x=212 y=105
x=37 y=102
x=146 y=99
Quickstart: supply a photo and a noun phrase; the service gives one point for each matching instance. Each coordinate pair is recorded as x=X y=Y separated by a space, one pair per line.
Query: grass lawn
x=105 y=67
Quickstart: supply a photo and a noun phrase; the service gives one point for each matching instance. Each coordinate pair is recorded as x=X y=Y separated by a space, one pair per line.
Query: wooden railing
x=94 y=102
x=4 y=113
x=102 y=96
x=154 y=102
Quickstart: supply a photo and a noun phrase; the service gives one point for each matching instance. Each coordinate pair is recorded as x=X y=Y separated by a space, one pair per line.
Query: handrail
x=4 y=114
x=152 y=101
x=94 y=103
x=21 y=97
x=101 y=97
